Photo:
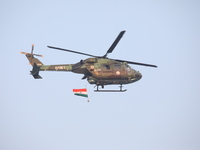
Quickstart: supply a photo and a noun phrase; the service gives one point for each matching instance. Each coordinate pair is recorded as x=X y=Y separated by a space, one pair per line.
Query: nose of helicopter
x=138 y=75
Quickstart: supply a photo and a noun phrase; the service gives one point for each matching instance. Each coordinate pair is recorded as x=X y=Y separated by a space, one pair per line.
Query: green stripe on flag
x=78 y=94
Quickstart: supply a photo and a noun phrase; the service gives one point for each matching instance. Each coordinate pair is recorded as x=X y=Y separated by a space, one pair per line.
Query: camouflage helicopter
x=98 y=70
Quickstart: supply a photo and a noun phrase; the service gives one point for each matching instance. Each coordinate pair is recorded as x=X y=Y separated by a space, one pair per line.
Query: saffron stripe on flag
x=79 y=90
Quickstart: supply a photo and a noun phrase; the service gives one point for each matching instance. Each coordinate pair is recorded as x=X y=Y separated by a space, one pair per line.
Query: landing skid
x=120 y=90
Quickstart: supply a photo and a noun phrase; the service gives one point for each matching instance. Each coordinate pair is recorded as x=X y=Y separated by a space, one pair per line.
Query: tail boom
x=64 y=67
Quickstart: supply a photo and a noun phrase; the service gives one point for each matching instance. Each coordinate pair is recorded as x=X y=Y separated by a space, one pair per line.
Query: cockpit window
x=128 y=68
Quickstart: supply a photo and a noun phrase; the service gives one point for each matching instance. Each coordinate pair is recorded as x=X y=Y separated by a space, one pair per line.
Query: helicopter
x=98 y=70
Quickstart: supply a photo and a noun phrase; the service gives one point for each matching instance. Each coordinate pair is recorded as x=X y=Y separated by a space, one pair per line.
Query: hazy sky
x=159 y=112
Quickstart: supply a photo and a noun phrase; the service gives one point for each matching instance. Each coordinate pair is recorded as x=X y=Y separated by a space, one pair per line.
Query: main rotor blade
x=112 y=47
x=71 y=51
x=136 y=63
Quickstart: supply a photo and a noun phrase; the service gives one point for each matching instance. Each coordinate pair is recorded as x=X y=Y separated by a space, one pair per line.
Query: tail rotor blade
x=23 y=53
x=32 y=53
x=32 y=49
x=38 y=55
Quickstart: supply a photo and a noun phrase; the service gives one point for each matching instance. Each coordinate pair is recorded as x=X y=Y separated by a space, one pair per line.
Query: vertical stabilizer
x=36 y=63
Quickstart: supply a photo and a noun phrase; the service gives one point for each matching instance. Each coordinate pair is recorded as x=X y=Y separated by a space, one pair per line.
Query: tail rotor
x=31 y=55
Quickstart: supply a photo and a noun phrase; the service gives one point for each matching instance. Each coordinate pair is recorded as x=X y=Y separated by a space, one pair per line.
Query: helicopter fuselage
x=99 y=71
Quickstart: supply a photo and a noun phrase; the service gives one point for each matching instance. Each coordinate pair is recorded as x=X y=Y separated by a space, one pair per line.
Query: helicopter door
x=106 y=70
x=97 y=69
x=118 y=71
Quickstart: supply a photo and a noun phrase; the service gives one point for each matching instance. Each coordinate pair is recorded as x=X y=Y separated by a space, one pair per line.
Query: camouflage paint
x=99 y=71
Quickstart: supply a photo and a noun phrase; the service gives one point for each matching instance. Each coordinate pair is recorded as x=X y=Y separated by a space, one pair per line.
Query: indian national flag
x=80 y=92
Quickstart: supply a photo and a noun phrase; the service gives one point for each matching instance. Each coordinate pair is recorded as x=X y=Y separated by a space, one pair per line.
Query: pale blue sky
x=160 y=112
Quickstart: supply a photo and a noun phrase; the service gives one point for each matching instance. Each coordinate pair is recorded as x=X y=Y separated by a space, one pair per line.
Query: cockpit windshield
x=128 y=68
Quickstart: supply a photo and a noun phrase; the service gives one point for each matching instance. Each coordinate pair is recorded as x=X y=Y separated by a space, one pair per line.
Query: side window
x=106 y=67
x=117 y=66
